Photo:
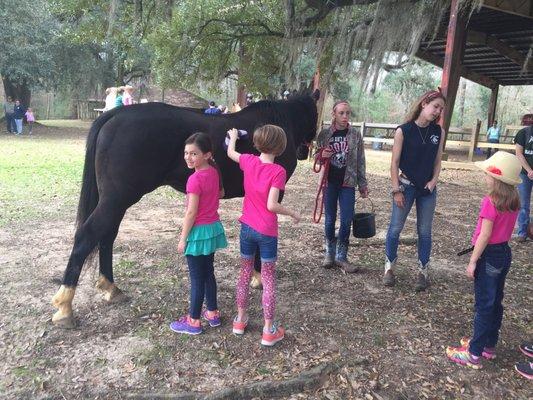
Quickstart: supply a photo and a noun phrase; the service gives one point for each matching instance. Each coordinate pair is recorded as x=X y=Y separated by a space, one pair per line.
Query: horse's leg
x=87 y=237
x=105 y=282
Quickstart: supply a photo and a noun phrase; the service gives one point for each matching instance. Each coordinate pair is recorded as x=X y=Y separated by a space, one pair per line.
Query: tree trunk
x=17 y=91
x=169 y=5
x=138 y=16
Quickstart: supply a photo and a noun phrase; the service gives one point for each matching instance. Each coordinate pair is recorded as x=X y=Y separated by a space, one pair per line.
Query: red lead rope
x=319 y=200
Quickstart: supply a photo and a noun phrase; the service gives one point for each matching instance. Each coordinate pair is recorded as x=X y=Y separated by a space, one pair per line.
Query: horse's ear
x=316 y=94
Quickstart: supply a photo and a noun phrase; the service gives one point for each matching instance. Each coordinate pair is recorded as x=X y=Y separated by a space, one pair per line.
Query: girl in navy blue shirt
x=415 y=168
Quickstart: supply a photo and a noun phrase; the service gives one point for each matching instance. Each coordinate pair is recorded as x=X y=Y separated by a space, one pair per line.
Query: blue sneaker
x=186 y=325
x=214 y=319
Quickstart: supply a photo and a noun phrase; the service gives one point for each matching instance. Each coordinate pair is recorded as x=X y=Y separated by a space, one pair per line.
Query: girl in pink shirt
x=201 y=234
x=263 y=180
x=491 y=258
x=30 y=117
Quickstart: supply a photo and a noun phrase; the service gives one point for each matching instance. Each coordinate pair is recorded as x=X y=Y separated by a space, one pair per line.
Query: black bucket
x=364 y=224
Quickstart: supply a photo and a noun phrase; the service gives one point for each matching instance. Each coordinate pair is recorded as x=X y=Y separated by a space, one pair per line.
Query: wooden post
x=492 y=106
x=455 y=44
x=363 y=128
x=473 y=140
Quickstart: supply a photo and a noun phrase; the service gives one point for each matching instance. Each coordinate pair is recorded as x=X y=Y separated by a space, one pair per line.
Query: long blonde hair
x=504 y=196
x=426 y=98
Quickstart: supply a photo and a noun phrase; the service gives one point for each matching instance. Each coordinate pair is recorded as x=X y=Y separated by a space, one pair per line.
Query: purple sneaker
x=214 y=319
x=185 y=325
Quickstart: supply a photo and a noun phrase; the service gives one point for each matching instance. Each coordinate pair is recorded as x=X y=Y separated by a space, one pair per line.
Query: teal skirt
x=206 y=239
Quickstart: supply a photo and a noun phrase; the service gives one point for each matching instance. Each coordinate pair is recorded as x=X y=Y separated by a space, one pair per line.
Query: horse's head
x=308 y=124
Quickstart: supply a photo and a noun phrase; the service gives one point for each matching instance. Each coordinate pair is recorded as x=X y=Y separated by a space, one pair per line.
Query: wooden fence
x=463 y=138
x=86 y=109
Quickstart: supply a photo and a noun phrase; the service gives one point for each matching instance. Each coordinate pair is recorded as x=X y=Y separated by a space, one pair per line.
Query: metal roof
x=497 y=44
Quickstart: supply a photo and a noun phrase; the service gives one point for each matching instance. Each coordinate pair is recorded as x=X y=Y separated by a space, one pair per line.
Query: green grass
x=66 y=123
x=39 y=177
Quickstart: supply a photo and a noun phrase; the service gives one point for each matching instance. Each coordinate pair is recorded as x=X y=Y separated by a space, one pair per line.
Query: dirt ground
x=384 y=343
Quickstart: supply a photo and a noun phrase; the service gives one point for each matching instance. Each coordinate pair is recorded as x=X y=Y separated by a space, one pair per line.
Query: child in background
x=201 y=234
x=110 y=98
x=263 y=181
x=30 y=118
x=127 y=97
x=491 y=258
x=118 y=98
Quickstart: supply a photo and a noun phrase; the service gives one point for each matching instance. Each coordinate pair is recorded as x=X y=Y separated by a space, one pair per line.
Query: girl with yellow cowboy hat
x=491 y=257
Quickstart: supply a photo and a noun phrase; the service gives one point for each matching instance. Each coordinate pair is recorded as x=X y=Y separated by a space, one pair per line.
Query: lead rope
x=317 y=167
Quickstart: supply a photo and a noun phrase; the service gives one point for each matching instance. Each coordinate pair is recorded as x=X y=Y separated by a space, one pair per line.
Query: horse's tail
x=89 y=190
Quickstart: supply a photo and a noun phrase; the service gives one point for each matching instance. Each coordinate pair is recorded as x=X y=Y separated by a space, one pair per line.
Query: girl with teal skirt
x=201 y=235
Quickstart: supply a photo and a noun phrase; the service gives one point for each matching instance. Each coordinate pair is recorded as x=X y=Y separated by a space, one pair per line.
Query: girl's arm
x=233 y=135
x=395 y=168
x=274 y=206
x=438 y=164
x=479 y=247
x=188 y=220
x=519 y=150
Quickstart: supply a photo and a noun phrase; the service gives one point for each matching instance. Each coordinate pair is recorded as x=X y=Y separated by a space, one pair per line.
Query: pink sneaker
x=213 y=317
x=489 y=353
x=274 y=336
x=461 y=355
x=239 y=326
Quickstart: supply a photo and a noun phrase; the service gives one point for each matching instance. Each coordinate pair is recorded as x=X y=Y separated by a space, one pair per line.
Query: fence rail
x=467 y=138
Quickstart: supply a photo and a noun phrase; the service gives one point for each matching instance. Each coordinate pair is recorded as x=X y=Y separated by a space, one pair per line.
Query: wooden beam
x=464 y=72
x=473 y=141
x=455 y=45
x=492 y=106
x=501 y=48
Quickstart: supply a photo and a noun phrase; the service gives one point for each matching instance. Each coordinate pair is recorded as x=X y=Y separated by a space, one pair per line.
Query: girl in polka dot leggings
x=263 y=181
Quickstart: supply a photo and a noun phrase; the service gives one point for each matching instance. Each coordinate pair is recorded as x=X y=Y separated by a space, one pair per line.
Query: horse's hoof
x=62 y=321
x=115 y=296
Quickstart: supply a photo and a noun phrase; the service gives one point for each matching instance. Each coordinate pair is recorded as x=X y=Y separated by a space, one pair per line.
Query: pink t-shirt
x=30 y=117
x=127 y=99
x=503 y=222
x=259 y=177
x=205 y=183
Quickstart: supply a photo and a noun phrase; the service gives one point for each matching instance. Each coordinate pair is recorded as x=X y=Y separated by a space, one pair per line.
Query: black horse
x=134 y=150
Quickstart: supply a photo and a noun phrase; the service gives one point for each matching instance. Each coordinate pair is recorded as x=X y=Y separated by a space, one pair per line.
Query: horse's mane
x=282 y=112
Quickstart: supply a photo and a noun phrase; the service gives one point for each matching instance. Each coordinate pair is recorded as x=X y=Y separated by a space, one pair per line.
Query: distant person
x=223 y=109
x=249 y=99
x=286 y=94
x=213 y=109
x=524 y=151
x=18 y=116
x=31 y=119
x=110 y=99
x=493 y=136
x=127 y=97
x=235 y=108
x=9 y=108
x=118 y=99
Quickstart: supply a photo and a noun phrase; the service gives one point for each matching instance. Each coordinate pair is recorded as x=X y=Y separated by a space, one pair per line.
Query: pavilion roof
x=497 y=45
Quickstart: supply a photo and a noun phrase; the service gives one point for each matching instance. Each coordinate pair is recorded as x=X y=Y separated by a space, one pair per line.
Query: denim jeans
x=251 y=240
x=524 y=190
x=10 y=123
x=491 y=270
x=489 y=149
x=345 y=197
x=18 y=124
x=425 y=209
x=203 y=284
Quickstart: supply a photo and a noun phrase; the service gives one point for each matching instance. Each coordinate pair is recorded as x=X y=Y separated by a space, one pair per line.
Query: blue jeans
x=251 y=240
x=524 y=190
x=203 y=284
x=10 y=123
x=491 y=270
x=489 y=149
x=18 y=124
x=425 y=209
x=345 y=197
